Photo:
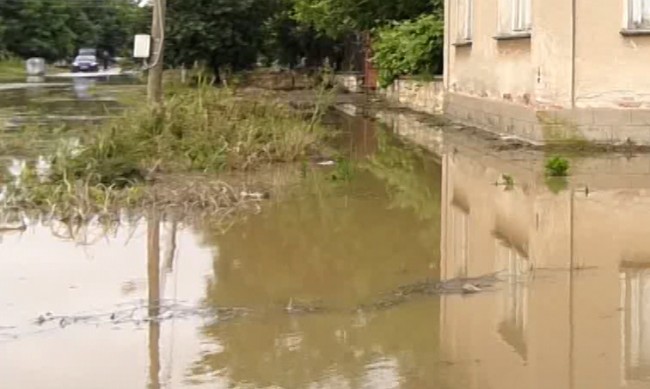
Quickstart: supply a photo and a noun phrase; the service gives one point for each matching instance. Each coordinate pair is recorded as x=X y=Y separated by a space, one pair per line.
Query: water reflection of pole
x=153 y=277
x=571 y=297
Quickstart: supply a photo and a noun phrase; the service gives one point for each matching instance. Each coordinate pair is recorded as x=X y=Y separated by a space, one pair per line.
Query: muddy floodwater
x=328 y=286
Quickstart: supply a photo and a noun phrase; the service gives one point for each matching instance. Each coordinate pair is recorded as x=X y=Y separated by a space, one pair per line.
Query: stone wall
x=279 y=80
x=423 y=96
x=351 y=82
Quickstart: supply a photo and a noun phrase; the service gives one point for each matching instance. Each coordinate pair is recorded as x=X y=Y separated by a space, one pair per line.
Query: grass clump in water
x=557 y=166
x=204 y=130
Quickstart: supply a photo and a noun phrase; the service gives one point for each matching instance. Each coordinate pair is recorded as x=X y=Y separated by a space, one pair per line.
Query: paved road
x=101 y=73
x=23 y=85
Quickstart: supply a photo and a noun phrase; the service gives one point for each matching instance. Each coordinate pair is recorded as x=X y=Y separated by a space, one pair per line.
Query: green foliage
x=287 y=41
x=344 y=170
x=557 y=166
x=337 y=18
x=411 y=47
x=218 y=33
x=55 y=29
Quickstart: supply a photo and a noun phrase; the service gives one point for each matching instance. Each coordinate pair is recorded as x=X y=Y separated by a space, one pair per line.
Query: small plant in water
x=557 y=166
x=507 y=181
x=344 y=170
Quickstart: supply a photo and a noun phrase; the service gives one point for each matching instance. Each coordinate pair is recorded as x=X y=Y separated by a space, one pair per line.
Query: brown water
x=287 y=298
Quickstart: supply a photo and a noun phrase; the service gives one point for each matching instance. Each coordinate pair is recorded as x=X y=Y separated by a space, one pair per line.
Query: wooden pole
x=153 y=277
x=154 y=82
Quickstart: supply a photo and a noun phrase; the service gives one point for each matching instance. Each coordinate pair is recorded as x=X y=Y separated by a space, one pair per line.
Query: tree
x=217 y=33
x=288 y=41
x=409 y=47
x=337 y=18
x=55 y=29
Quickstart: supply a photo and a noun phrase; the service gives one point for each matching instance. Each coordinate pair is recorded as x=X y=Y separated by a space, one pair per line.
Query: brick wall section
x=423 y=96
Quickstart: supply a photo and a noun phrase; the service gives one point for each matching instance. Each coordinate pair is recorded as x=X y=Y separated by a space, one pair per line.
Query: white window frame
x=638 y=14
x=465 y=13
x=635 y=294
x=515 y=17
x=521 y=15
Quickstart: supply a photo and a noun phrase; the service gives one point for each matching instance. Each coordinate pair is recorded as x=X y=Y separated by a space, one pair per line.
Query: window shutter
x=528 y=13
x=636 y=13
x=470 y=19
x=462 y=20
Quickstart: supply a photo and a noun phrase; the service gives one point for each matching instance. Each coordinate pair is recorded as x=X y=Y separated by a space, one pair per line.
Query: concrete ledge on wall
x=419 y=95
x=351 y=82
x=604 y=126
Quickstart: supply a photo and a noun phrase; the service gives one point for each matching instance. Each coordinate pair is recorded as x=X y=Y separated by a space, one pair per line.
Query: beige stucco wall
x=572 y=332
x=611 y=70
x=552 y=52
x=534 y=71
x=546 y=89
x=488 y=68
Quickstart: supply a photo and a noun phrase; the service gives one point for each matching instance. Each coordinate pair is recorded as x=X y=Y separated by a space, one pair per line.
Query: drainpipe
x=447 y=45
x=573 y=52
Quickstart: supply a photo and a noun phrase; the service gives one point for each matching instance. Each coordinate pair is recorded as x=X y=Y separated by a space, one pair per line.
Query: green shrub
x=410 y=47
x=557 y=166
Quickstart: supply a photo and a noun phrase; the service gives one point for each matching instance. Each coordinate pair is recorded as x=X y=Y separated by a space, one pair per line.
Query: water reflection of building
x=547 y=326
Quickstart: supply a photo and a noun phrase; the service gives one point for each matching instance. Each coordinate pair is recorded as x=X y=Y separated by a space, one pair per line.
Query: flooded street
x=324 y=287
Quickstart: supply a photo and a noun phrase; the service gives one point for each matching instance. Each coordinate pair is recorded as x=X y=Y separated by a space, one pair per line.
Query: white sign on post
x=142 y=46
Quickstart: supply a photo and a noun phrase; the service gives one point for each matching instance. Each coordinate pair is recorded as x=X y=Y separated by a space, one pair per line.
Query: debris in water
x=471 y=289
x=302 y=308
x=17 y=167
x=255 y=195
x=326 y=163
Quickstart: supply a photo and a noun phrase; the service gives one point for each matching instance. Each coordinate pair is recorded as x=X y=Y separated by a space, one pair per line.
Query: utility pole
x=153 y=280
x=154 y=83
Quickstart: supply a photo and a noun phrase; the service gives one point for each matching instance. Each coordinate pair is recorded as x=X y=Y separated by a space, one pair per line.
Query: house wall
x=491 y=69
x=611 y=70
x=546 y=89
x=552 y=53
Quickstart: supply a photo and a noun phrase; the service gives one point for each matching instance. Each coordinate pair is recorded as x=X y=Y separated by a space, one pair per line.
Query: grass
x=126 y=162
x=11 y=69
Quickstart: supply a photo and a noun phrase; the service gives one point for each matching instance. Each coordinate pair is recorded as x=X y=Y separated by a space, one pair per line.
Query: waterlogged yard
x=333 y=254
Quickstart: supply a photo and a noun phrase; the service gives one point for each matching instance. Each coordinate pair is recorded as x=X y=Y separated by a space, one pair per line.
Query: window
x=465 y=20
x=521 y=15
x=514 y=307
x=515 y=17
x=635 y=285
x=638 y=14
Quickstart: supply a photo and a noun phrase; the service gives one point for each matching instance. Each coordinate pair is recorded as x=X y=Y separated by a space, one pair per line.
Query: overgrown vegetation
x=129 y=161
x=11 y=68
x=557 y=166
x=410 y=47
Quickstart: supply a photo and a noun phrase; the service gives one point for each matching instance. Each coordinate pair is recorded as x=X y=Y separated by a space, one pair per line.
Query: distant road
x=101 y=73
x=23 y=85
